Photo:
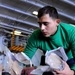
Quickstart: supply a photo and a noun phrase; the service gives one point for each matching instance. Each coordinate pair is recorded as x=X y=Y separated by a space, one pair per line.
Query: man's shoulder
x=67 y=25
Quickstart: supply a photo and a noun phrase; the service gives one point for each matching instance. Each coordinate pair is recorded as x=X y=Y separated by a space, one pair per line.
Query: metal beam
x=41 y=5
x=38 y=5
x=69 y=2
x=18 y=20
x=17 y=10
x=24 y=30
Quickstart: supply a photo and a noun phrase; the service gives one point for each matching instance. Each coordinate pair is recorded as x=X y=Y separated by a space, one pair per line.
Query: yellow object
x=17 y=48
x=13 y=47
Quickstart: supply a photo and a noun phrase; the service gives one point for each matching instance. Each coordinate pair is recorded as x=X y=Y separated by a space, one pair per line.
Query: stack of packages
x=53 y=60
x=11 y=63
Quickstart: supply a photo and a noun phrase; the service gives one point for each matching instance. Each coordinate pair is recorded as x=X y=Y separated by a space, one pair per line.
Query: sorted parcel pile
x=53 y=60
x=11 y=63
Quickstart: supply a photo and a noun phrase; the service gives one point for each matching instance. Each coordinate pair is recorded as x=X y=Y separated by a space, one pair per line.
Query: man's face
x=48 y=25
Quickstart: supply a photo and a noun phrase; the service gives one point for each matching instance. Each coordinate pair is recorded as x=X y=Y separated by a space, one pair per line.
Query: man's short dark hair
x=48 y=10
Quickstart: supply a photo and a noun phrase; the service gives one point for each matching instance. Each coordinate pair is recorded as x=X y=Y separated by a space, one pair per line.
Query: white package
x=54 y=61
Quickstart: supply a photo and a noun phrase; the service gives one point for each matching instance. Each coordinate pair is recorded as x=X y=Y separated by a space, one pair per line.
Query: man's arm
x=31 y=46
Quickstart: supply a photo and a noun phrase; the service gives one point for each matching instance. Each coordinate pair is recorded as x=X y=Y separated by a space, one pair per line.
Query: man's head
x=48 y=20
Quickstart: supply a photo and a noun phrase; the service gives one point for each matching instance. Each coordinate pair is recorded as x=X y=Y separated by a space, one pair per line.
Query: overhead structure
x=19 y=13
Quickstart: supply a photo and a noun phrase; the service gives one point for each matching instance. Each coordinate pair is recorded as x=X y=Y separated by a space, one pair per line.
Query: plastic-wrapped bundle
x=54 y=61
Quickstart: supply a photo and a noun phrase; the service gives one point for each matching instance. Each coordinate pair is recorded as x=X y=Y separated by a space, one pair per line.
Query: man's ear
x=57 y=21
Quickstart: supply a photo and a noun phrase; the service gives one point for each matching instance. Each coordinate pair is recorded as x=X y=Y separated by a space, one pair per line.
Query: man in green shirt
x=51 y=34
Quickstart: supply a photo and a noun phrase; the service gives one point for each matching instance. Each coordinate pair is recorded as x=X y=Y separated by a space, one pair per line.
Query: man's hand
x=66 y=71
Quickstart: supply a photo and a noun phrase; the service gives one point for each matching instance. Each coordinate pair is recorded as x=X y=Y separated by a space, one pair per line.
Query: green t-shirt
x=64 y=37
